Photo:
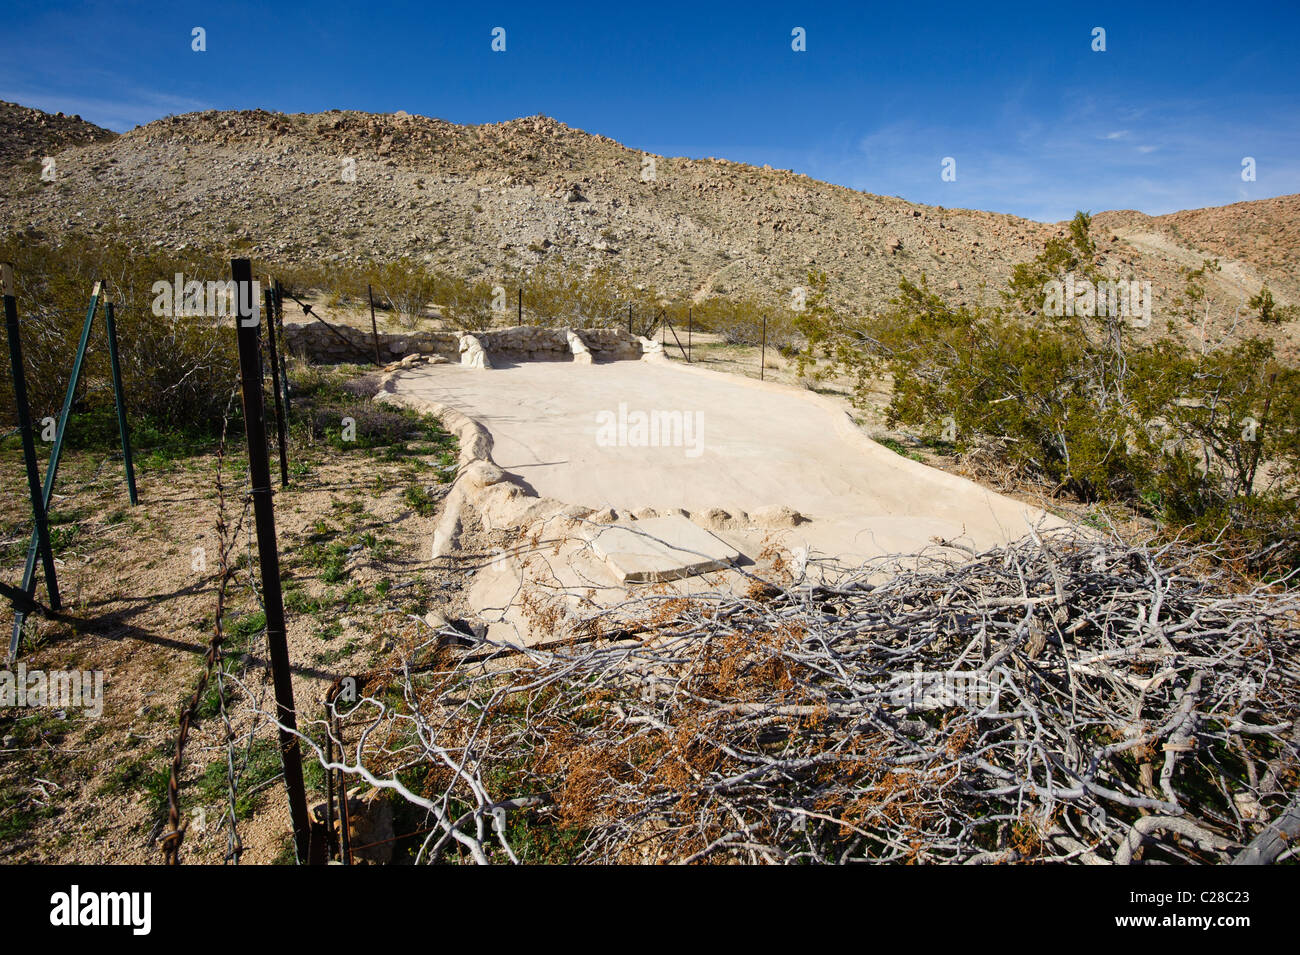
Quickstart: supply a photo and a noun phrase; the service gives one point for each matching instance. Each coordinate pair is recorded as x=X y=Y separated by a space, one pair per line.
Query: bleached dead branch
x=1055 y=700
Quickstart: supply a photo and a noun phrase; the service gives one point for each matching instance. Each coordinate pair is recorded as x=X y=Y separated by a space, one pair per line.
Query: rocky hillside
x=1264 y=234
x=29 y=134
x=491 y=200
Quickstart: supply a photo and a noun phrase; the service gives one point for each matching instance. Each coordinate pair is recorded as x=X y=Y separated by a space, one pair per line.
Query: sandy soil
x=75 y=788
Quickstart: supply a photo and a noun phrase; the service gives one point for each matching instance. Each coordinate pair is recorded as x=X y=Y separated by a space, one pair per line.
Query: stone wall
x=314 y=341
x=526 y=343
x=610 y=344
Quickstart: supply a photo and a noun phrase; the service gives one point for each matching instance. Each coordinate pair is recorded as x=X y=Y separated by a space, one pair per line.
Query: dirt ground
x=139 y=588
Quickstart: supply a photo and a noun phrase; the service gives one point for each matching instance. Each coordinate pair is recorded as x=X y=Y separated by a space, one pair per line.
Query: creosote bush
x=177 y=372
x=1207 y=441
x=556 y=293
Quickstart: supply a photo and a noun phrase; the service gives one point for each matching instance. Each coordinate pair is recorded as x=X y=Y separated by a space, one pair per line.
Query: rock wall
x=316 y=342
x=526 y=343
x=610 y=344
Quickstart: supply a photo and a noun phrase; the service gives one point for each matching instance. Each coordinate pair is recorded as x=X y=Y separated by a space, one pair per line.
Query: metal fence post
x=690 y=327
x=29 y=443
x=119 y=393
x=259 y=474
x=269 y=301
x=762 y=361
x=279 y=331
x=52 y=468
x=374 y=328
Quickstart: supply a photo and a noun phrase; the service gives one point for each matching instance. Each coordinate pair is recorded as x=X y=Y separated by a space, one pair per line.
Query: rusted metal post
x=259 y=476
x=329 y=792
x=666 y=326
x=345 y=818
x=374 y=328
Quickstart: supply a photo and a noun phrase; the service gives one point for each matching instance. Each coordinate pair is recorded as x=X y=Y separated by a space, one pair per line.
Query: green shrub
x=179 y=374
x=1207 y=442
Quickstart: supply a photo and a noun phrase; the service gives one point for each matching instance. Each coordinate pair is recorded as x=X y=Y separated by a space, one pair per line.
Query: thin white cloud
x=135 y=108
x=1179 y=154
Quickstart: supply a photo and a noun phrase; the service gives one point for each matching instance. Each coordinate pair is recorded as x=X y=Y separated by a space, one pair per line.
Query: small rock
x=714 y=518
x=370 y=826
x=776 y=515
x=483 y=474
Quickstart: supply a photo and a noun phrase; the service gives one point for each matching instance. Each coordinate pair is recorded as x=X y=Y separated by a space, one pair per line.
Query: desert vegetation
x=350 y=526
x=1203 y=438
x=178 y=373
x=555 y=293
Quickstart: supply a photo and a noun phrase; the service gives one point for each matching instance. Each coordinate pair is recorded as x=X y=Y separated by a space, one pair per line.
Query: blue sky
x=1038 y=123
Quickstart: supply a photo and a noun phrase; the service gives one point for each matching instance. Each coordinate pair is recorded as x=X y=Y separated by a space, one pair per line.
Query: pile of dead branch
x=1059 y=700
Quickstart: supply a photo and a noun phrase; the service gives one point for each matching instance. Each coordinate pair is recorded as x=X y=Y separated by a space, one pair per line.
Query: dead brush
x=1057 y=700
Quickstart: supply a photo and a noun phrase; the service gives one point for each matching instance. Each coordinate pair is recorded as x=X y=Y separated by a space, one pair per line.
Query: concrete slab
x=632 y=435
x=659 y=549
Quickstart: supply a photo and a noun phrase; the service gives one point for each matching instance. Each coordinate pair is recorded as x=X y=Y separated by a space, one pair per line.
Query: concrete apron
x=780 y=471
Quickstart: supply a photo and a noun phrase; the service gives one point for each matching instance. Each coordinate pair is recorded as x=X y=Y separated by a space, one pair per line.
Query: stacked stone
x=316 y=343
x=610 y=344
x=528 y=343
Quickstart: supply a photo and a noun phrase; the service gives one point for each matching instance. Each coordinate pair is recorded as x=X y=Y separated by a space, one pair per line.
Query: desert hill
x=490 y=200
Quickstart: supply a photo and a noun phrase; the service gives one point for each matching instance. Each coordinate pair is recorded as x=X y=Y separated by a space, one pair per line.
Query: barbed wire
x=213 y=660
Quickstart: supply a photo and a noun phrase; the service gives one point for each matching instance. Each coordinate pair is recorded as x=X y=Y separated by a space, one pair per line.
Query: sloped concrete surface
x=582 y=434
x=659 y=549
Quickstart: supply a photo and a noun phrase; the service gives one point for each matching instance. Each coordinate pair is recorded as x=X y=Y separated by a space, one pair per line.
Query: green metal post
x=52 y=469
x=119 y=396
x=29 y=443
